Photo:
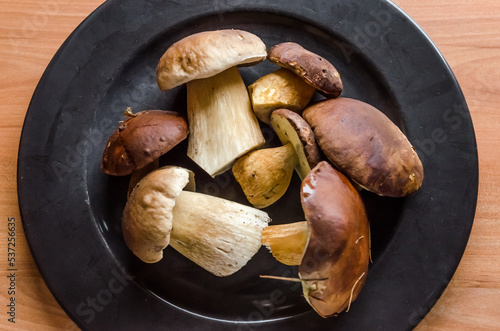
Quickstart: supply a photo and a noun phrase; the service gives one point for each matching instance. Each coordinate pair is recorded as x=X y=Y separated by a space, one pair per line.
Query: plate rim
x=108 y=6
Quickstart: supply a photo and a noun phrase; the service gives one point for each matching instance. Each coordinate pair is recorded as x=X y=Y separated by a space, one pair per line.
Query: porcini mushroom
x=147 y=217
x=314 y=69
x=141 y=139
x=279 y=89
x=265 y=174
x=139 y=174
x=334 y=259
x=217 y=234
x=287 y=242
x=221 y=121
x=366 y=146
x=291 y=127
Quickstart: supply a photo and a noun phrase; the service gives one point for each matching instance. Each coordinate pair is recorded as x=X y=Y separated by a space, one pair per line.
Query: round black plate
x=71 y=210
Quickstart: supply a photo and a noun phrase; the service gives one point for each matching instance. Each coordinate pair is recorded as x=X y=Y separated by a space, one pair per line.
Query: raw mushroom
x=335 y=262
x=279 y=89
x=265 y=174
x=219 y=235
x=314 y=69
x=366 y=146
x=204 y=54
x=141 y=139
x=291 y=127
x=147 y=217
x=137 y=175
x=287 y=242
x=221 y=121
x=334 y=259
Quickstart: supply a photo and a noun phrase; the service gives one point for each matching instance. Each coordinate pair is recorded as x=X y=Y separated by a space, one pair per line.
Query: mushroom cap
x=291 y=127
x=366 y=146
x=335 y=262
x=141 y=139
x=147 y=217
x=205 y=54
x=314 y=69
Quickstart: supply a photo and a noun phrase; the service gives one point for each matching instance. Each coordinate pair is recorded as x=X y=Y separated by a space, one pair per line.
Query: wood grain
x=465 y=31
x=30 y=33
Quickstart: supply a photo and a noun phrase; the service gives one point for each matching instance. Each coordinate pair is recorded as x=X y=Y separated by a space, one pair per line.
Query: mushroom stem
x=129 y=113
x=279 y=89
x=286 y=279
x=292 y=128
x=265 y=174
x=219 y=235
x=287 y=242
x=291 y=279
x=221 y=121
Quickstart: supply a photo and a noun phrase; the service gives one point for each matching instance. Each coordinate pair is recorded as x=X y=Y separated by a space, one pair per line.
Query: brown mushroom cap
x=205 y=54
x=147 y=217
x=141 y=139
x=335 y=262
x=366 y=146
x=314 y=69
x=291 y=127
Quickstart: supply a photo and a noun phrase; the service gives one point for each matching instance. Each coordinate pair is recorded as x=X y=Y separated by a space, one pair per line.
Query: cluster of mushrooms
x=337 y=146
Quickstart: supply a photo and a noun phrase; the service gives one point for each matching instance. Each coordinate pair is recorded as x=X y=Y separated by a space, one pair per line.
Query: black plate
x=71 y=210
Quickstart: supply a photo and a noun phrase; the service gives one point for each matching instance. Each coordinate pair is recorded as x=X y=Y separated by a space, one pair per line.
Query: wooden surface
x=465 y=31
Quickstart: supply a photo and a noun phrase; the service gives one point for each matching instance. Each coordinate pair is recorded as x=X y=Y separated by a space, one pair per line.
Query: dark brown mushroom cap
x=333 y=269
x=314 y=69
x=287 y=124
x=141 y=139
x=365 y=145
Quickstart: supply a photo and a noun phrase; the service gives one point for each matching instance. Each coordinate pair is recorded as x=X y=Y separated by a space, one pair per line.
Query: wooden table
x=465 y=31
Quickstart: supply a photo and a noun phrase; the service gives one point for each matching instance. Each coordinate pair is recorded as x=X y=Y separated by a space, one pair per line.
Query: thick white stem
x=219 y=235
x=222 y=123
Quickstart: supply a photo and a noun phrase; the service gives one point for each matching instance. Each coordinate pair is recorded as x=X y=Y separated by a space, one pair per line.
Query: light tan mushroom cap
x=206 y=54
x=147 y=218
